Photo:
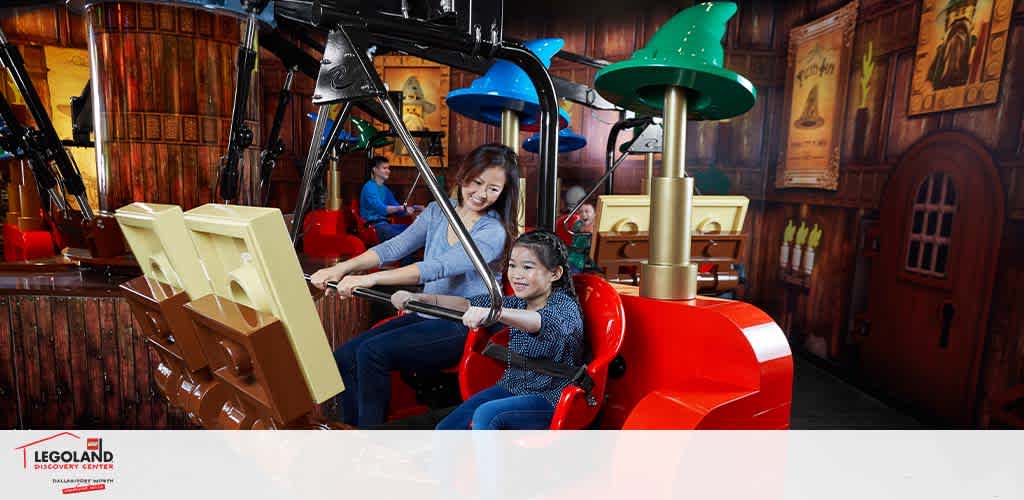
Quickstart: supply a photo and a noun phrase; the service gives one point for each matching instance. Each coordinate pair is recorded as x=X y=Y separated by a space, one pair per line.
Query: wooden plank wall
x=81 y=362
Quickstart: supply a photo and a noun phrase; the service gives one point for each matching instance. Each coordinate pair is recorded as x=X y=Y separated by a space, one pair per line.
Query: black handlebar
x=412 y=305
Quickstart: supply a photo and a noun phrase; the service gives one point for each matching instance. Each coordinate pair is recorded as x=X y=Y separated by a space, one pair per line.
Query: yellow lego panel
x=630 y=213
x=157 y=236
x=719 y=214
x=622 y=213
x=250 y=259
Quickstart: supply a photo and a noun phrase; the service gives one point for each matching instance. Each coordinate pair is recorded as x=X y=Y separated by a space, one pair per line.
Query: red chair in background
x=562 y=232
x=357 y=226
x=604 y=326
x=325 y=234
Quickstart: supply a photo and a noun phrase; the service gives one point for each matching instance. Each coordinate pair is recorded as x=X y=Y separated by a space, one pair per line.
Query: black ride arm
x=46 y=141
x=239 y=136
x=14 y=138
x=275 y=146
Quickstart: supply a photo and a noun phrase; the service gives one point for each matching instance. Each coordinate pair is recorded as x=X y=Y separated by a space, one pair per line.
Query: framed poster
x=424 y=85
x=817 y=70
x=961 y=49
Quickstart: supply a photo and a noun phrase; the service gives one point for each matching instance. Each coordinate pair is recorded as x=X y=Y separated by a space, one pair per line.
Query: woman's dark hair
x=507 y=204
x=551 y=251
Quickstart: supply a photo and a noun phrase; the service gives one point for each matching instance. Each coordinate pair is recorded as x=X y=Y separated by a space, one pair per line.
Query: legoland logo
x=47 y=456
x=66 y=452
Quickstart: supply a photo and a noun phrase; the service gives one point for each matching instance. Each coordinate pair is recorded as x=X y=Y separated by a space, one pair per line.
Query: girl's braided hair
x=552 y=252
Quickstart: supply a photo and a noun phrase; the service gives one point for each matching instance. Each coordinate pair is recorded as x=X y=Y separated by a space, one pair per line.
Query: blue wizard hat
x=506 y=86
x=568 y=141
x=344 y=135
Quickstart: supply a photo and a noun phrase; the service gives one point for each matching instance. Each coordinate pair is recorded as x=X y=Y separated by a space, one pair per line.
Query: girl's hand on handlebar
x=346 y=285
x=320 y=278
x=475 y=316
x=399 y=298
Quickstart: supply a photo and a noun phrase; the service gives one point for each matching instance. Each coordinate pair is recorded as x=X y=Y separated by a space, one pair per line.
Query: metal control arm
x=45 y=141
x=240 y=136
x=347 y=76
x=412 y=305
x=275 y=146
x=17 y=139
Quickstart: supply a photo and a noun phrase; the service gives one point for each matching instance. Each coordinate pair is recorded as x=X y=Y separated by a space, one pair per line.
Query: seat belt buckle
x=582 y=380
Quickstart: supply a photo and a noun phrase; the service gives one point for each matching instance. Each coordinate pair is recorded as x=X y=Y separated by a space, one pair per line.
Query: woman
x=488 y=183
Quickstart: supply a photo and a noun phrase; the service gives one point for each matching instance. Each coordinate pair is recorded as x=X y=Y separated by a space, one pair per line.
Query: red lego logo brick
x=92 y=444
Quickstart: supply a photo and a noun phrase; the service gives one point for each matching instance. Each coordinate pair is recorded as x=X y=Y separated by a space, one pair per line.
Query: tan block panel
x=631 y=213
x=163 y=247
x=249 y=259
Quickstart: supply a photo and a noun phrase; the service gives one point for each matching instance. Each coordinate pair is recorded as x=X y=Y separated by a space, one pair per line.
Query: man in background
x=377 y=202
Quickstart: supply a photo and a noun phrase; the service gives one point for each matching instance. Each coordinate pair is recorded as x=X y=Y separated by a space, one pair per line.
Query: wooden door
x=941 y=224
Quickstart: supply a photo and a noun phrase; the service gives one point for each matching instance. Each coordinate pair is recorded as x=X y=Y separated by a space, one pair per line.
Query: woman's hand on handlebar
x=320 y=278
x=347 y=283
x=399 y=298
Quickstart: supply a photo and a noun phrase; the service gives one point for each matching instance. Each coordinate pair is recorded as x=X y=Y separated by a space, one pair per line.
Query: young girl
x=545 y=322
x=488 y=193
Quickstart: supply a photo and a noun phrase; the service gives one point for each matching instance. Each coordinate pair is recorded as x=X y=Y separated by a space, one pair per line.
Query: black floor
x=820 y=401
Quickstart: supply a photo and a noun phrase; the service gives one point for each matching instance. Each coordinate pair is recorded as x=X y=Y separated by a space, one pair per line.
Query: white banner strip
x=628 y=465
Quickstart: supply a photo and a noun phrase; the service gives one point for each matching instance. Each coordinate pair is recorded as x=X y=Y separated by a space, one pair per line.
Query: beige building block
x=163 y=247
x=250 y=259
x=630 y=213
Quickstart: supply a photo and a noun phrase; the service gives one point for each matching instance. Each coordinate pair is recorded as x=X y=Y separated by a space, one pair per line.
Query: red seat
x=358 y=227
x=562 y=232
x=604 y=326
x=325 y=235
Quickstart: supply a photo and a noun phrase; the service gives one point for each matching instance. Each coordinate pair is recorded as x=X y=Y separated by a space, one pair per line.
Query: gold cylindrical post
x=668 y=273
x=333 y=185
x=510 y=129
x=510 y=138
x=645 y=183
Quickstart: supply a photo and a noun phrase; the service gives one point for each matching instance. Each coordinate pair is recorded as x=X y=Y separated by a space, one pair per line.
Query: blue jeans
x=407 y=343
x=387 y=230
x=497 y=408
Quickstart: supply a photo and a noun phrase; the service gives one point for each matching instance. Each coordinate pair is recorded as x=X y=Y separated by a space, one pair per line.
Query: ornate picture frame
x=961 y=51
x=424 y=85
x=817 y=74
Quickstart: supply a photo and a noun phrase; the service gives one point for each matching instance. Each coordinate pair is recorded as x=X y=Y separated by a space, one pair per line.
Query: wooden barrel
x=163 y=85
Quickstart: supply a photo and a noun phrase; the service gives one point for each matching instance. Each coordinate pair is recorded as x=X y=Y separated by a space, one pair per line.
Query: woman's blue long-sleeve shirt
x=446 y=268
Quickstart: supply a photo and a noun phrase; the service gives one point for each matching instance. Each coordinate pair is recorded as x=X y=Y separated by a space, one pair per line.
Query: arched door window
x=931 y=226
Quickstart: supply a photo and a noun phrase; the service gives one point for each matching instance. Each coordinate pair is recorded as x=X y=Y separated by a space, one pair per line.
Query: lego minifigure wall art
x=961 y=49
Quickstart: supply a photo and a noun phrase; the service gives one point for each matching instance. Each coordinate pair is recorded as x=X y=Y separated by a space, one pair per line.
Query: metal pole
x=510 y=138
x=442 y=202
x=306 y=186
x=646 y=188
x=547 y=199
x=668 y=274
x=597 y=185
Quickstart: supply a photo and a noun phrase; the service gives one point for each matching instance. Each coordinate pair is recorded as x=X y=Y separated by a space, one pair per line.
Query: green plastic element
x=814 y=238
x=801 y=234
x=366 y=133
x=579 y=251
x=789 y=233
x=712 y=181
x=867 y=66
x=686 y=52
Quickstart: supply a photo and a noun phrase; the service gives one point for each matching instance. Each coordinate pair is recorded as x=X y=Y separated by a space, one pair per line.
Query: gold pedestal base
x=670 y=282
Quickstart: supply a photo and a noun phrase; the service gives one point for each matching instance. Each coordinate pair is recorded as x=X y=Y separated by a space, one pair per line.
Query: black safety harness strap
x=577 y=375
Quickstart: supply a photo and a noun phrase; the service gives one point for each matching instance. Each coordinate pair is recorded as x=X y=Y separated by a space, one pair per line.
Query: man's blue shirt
x=374 y=201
